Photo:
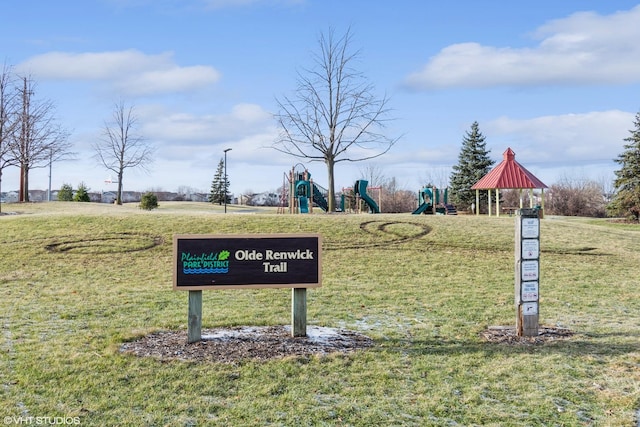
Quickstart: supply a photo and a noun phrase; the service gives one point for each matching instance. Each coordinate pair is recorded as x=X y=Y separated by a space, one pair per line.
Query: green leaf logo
x=223 y=255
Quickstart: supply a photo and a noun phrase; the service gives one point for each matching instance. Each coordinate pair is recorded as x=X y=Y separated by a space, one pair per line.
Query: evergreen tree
x=148 y=201
x=219 y=186
x=626 y=201
x=82 y=194
x=473 y=164
x=65 y=194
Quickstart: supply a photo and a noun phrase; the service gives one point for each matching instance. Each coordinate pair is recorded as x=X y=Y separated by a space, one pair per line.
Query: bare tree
x=39 y=139
x=395 y=199
x=8 y=121
x=576 y=197
x=120 y=148
x=438 y=177
x=374 y=174
x=334 y=115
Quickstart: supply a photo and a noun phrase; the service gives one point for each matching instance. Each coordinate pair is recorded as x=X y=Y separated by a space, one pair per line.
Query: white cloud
x=579 y=145
x=242 y=121
x=570 y=139
x=580 y=49
x=176 y=79
x=130 y=71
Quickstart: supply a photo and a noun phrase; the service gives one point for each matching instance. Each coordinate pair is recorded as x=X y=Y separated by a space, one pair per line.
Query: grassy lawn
x=78 y=280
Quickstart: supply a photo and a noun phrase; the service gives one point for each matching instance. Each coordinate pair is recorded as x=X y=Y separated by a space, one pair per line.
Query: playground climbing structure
x=303 y=193
x=434 y=201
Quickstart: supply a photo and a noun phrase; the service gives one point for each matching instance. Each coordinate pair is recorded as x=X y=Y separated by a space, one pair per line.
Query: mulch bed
x=508 y=335
x=230 y=345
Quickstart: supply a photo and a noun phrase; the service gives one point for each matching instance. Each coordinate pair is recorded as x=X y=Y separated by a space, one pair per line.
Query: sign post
x=299 y=312
x=194 y=325
x=527 y=272
x=247 y=261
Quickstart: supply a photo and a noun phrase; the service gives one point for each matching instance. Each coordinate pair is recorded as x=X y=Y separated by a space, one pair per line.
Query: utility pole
x=226 y=181
x=25 y=132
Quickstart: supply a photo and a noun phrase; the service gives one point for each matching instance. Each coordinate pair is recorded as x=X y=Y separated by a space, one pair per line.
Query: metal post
x=50 y=162
x=225 y=179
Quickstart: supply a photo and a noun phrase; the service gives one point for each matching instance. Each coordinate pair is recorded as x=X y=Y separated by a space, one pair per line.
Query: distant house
x=131 y=196
x=10 y=197
x=108 y=197
x=199 y=197
x=264 y=199
x=38 y=196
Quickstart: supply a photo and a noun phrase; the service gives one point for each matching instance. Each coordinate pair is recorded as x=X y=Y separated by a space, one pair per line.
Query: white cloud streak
x=595 y=137
x=584 y=48
x=242 y=121
x=129 y=71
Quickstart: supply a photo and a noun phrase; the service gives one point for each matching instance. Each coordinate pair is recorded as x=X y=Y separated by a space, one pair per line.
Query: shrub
x=576 y=198
x=82 y=195
x=65 y=194
x=149 y=201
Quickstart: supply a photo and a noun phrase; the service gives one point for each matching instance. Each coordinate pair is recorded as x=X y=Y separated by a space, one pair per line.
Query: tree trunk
x=331 y=197
x=25 y=184
x=119 y=195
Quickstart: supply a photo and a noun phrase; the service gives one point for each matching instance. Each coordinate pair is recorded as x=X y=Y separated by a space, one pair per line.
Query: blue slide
x=303 y=202
x=361 y=189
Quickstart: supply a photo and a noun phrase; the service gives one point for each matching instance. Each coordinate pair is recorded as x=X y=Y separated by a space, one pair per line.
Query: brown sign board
x=209 y=261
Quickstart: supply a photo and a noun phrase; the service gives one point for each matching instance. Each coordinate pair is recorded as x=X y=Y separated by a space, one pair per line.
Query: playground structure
x=303 y=193
x=434 y=201
x=299 y=193
x=361 y=196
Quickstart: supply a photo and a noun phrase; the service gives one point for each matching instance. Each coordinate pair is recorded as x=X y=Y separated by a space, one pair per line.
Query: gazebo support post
x=497 y=202
x=531 y=198
x=520 y=198
x=477 y=212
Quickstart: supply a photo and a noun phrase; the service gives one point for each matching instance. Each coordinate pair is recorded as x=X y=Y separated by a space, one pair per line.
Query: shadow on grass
x=583 y=251
x=385 y=230
x=578 y=345
x=105 y=244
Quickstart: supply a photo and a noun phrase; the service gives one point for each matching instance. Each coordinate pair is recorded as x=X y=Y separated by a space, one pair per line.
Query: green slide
x=361 y=189
x=423 y=207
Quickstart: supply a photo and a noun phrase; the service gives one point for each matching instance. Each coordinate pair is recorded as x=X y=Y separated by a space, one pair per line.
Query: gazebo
x=508 y=174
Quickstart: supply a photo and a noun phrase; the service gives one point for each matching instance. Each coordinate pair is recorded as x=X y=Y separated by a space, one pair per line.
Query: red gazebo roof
x=508 y=174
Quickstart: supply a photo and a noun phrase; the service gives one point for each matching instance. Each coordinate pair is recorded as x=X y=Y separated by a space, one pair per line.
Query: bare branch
x=38 y=139
x=120 y=147
x=334 y=111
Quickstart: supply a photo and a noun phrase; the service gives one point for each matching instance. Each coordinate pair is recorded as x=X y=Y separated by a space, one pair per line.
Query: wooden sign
x=204 y=262
x=527 y=274
x=208 y=261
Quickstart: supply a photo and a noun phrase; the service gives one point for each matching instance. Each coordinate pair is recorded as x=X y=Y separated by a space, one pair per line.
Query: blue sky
x=557 y=81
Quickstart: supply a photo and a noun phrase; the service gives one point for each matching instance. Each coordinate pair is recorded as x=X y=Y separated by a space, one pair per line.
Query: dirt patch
x=507 y=335
x=231 y=345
